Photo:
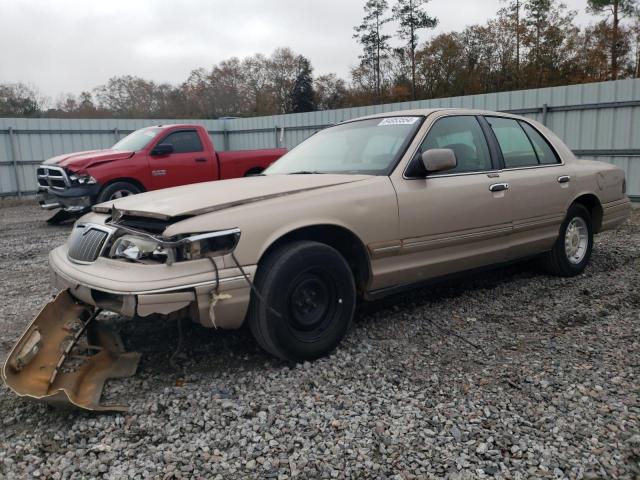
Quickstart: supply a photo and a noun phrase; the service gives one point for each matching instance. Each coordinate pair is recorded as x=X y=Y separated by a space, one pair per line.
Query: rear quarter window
x=546 y=154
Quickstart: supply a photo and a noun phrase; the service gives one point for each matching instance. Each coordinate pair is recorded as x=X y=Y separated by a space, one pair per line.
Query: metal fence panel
x=598 y=120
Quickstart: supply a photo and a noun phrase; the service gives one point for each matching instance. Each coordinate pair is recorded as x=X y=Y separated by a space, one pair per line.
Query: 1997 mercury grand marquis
x=361 y=209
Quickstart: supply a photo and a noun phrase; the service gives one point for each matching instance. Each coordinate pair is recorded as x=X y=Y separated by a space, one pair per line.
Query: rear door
x=189 y=162
x=538 y=185
x=458 y=219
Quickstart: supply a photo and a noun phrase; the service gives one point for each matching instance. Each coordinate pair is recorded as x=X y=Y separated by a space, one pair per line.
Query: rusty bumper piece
x=53 y=363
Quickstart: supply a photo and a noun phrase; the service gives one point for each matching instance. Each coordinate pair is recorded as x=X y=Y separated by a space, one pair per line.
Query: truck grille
x=52 y=177
x=86 y=243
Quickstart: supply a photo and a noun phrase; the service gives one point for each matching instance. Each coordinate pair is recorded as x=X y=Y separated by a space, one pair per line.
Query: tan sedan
x=362 y=209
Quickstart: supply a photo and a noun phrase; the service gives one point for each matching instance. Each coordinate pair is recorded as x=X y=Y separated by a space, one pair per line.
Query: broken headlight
x=135 y=248
x=211 y=244
x=138 y=246
x=82 y=179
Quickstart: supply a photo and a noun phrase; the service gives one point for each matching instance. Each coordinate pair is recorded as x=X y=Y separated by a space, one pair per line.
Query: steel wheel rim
x=309 y=316
x=576 y=240
x=119 y=194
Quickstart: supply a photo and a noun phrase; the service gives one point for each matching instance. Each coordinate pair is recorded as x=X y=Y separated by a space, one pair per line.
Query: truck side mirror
x=162 y=149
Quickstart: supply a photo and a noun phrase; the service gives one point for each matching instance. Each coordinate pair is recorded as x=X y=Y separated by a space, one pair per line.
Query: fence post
x=275 y=132
x=225 y=133
x=116 y=134
x=545 y=110
x=14 y=160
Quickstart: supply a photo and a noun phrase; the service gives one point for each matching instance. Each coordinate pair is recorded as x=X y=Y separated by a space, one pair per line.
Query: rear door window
x=514 y=143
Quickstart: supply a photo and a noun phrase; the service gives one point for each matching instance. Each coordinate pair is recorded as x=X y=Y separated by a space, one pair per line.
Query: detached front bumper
x=132 y=289
x=73 y=199
x=65 y=356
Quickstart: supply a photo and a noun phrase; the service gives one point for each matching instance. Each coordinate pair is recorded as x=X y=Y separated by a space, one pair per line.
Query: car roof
x=424 y=112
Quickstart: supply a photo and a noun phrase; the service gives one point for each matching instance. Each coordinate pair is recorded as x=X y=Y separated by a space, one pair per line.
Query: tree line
x=526 y=44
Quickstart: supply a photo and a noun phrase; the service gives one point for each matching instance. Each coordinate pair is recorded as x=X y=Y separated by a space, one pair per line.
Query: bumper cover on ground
x=50 y=364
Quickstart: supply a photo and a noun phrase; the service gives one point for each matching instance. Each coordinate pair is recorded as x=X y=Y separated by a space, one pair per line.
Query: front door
x=458 y=219
x=188 y=163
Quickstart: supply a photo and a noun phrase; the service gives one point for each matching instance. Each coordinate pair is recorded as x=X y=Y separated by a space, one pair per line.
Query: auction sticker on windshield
x=398 y=121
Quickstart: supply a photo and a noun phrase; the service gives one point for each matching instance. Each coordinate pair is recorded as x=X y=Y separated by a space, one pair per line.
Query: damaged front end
x=65 y=356
x=124 y=265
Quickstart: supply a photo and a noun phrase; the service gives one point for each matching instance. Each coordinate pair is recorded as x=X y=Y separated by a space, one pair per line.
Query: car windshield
x=370 y=147
x=137 y=140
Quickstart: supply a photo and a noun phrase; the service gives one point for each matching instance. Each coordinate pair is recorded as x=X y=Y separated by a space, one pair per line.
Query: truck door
x=189 y=162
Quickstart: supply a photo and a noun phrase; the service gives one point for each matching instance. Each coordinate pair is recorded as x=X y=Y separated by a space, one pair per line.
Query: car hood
x=200 y=198
x=83 y=160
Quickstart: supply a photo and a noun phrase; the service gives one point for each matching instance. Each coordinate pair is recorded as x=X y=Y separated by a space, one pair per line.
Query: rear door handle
x=498 y=187
x=564 y=179
x=201 y=159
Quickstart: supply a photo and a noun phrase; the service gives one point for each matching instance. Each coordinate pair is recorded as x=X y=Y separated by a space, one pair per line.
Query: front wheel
x=572 y=250
x=117 y=190
x=308 y=297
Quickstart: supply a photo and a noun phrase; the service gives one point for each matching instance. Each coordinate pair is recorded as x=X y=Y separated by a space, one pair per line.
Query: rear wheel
x=308 y=299
x=117 y=190
x=572 y=250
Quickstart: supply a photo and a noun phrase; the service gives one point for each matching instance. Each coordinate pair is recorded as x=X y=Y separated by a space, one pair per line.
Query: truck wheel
x=117 y=190
x=572 y=250
x=254 y=171
x=308 y=297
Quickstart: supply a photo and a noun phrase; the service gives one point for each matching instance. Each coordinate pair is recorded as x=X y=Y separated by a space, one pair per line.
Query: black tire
x=308 y=297
x=254 y=171
x=117 y=190
x=557 y=261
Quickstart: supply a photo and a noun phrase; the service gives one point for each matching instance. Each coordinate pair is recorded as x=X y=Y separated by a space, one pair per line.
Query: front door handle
x=564 y=179
x=201 y=159
x=498 y=187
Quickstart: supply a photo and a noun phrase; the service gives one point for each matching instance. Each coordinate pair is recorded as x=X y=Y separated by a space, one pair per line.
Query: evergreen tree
x=617 y=10
x=302 y=95
x=411 y=17
x=374 y=42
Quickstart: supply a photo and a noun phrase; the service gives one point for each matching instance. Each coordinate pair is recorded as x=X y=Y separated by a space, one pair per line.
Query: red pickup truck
x=148 y=159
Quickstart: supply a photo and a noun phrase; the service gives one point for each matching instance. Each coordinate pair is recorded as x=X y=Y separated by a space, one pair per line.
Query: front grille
x=86 y=243
x=52 y=177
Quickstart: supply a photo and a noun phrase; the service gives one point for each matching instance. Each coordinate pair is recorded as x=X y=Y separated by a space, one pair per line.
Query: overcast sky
x=74 y=45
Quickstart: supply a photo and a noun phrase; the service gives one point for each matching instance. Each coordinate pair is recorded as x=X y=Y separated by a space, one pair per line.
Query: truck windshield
x=137 y=140
x=370 y=146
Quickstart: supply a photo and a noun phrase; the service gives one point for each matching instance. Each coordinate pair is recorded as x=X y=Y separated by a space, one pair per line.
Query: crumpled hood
x=207 y=197
x=90 y=158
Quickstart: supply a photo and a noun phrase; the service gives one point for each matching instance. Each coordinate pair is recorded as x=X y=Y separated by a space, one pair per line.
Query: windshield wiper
x=306 y=172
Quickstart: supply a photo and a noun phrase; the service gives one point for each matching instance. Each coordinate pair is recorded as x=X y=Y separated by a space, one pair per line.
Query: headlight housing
x=137 y=246
x=82 y=179
x=213 y=244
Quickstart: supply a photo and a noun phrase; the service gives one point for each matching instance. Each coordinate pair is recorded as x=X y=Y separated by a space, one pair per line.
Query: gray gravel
x=551 y=392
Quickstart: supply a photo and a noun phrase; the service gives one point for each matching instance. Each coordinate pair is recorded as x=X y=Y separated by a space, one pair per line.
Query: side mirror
x=162 y=149
x=439 y=160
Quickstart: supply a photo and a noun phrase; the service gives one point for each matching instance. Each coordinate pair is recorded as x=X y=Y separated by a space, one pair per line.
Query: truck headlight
x=82 y=179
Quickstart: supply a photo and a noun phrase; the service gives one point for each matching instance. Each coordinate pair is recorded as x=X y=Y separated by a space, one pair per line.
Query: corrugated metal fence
x=597 y=120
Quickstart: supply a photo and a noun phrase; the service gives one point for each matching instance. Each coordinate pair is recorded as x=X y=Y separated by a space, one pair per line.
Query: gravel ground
x=551 y=392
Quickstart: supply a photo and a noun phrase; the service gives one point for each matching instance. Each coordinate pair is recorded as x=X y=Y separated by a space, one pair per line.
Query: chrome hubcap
x=120 y=194
x=576 y=240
